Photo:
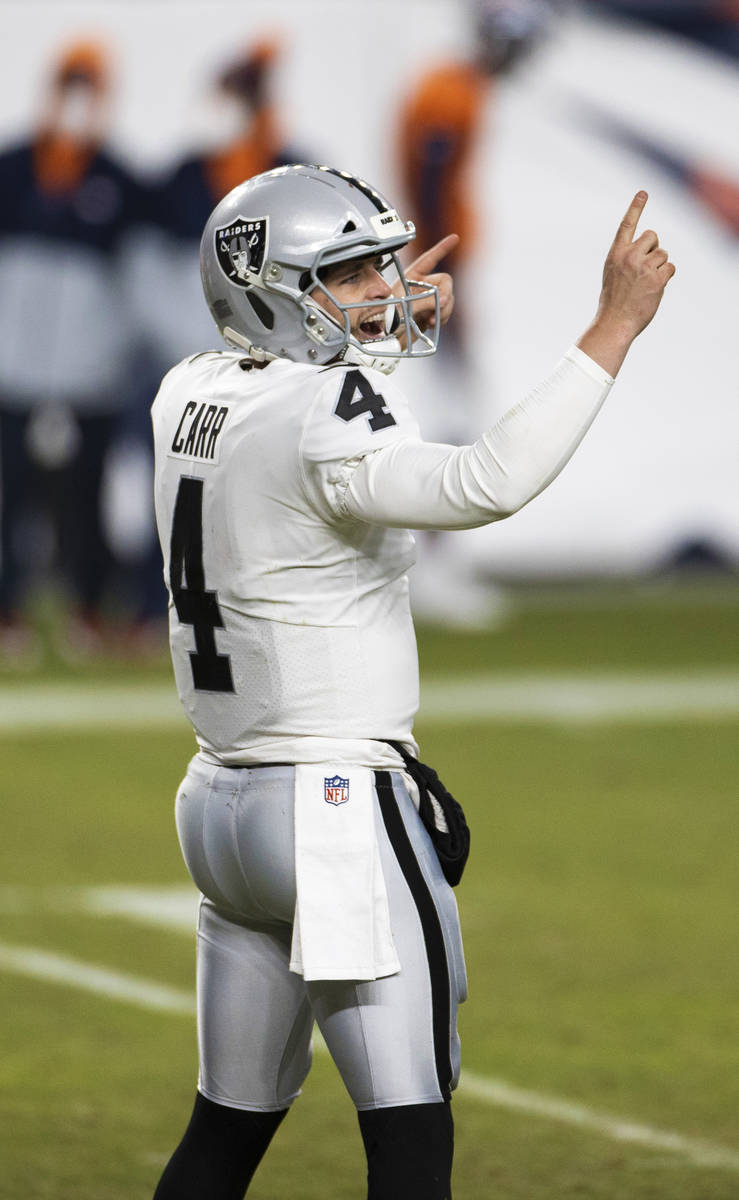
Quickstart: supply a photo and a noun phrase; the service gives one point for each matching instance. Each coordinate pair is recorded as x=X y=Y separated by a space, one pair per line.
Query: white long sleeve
x=423 y=485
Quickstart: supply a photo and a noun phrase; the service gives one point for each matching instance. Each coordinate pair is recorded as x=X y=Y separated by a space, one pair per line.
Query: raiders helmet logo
x=240 y=249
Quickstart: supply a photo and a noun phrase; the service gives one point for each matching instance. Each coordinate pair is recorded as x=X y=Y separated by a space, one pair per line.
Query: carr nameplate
x=199 y=432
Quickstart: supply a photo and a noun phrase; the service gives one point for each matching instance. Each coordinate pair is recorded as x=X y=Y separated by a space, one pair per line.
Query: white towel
x=342 y=919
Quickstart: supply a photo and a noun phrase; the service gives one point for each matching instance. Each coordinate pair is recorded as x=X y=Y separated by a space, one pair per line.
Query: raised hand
x=636 y=272
x=635 y=275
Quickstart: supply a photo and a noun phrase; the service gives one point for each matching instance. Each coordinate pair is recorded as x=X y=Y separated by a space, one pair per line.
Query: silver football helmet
x=263 y=252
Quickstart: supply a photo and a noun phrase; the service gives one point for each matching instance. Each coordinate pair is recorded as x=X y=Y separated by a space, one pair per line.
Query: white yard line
x=115 y=985
x=170 y=907
x=555 y=697
x=173 y=908
x=68 y=706
x=505 y=1095
x=582 y=698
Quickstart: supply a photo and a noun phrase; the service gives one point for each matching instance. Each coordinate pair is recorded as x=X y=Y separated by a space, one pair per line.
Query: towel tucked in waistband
x=342 y=919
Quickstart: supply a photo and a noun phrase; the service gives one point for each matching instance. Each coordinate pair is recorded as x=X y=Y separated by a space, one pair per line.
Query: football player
x=289 y=471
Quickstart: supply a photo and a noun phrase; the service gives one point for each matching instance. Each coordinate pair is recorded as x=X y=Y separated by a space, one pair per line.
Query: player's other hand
x=635 y=275
x=422 y=272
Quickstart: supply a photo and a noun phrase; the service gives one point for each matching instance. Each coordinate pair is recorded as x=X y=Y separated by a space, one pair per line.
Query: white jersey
x=283 y=501
x=300 y=645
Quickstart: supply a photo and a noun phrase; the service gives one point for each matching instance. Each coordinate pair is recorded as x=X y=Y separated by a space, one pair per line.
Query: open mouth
x=372 y=328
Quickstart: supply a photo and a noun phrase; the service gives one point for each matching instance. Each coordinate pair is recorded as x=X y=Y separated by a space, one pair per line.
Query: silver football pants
x=394 y=1040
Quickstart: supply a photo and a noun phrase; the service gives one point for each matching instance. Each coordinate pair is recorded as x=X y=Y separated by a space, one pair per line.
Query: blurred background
x=580 y=664
x=526 y=125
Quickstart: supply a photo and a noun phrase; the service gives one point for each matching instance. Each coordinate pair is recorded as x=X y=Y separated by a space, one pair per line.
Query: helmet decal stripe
x=363 y=187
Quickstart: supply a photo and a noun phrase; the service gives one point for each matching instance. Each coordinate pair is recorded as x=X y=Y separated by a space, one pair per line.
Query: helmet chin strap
x=371 y=358
x=238 y=342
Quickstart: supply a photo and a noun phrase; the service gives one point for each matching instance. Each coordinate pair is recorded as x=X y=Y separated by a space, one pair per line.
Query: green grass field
x=599 y=911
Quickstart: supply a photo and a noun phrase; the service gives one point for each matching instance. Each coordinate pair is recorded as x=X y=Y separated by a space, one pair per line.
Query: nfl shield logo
x=240 y=249
x=336 y=790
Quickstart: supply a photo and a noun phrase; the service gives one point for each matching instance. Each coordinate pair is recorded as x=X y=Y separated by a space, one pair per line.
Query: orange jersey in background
x=439 y=125
x=252 y=154
x=248 y=77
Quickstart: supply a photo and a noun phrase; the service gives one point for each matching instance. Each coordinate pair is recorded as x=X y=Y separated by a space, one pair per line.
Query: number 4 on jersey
x=357 y=397
x=211 y=671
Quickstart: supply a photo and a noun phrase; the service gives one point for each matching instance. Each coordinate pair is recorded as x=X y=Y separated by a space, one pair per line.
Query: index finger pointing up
x=627 y=228
x=425 y=263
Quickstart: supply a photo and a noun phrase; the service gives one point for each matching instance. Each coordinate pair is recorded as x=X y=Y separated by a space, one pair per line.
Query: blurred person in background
x=441 y=124
x=65 y=205
x=235 y=134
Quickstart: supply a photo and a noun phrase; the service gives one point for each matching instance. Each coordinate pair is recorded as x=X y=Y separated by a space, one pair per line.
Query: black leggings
x=219 y=1153
x=409 y=1152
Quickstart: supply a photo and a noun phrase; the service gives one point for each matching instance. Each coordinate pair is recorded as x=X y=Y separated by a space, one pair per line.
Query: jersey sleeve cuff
x=589 y=366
